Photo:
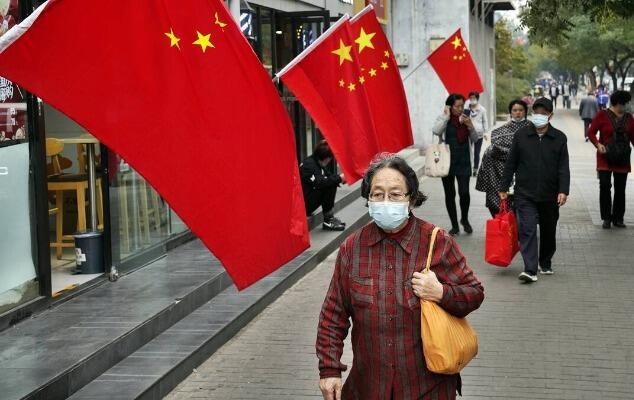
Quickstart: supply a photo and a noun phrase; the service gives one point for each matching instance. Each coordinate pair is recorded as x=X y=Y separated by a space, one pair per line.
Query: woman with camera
x=455 y=128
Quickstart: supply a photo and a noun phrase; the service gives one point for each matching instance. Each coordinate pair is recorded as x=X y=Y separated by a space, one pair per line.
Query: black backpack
x=618 y=147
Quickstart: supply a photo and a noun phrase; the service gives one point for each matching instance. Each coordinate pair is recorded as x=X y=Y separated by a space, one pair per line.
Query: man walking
x=539 y=160
x=554 y=92
x=587 y=110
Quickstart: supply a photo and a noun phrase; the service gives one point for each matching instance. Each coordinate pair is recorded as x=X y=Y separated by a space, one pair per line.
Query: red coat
x=601 y=123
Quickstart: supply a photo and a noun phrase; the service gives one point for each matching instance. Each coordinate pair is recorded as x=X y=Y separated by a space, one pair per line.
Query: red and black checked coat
x=371 y=287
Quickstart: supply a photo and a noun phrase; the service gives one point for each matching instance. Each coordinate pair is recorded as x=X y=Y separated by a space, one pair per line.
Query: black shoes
x=619 y=224
x=606 y=224
x=454 y=231
x=333 y=224
x=466 y=226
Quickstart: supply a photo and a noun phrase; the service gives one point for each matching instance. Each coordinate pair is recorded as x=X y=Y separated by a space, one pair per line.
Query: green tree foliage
x=513 y=72
x=552 y=21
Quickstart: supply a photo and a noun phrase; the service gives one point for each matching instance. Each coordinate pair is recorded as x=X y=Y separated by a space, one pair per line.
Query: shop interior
x=139 y=218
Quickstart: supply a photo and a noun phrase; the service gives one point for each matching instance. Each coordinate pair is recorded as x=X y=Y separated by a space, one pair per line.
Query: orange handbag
x=449 y=342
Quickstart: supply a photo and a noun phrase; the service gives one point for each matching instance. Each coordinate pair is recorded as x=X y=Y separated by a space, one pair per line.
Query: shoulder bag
x=449 y=342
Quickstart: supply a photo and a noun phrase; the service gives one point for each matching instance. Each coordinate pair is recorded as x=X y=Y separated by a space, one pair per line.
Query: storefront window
x=18 y=278
x=18 y=282
x=138 y=215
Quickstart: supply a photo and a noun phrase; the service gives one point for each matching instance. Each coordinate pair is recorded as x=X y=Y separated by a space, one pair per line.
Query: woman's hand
x=426 y=286
x=601 y=148
x=331 y=388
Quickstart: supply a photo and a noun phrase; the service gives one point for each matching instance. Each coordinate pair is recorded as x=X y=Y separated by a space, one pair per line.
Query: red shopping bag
x=501 y=242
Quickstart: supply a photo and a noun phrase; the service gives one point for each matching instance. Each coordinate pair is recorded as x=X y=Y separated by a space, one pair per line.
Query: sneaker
x=607 y=224
x=337 y=221
x=332 y=225
x=466 y=225
x=527 y=278
x=546 y=271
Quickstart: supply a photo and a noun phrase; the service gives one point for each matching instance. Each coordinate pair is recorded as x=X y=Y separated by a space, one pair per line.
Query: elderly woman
x=377 y=286
x=605 y=123
x=494 y=158
x=455 y=128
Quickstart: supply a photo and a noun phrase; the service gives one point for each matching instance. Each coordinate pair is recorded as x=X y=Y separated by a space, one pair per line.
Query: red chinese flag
x=454 y=66
x=383 y=83
x=326 y=78
x=177 y=91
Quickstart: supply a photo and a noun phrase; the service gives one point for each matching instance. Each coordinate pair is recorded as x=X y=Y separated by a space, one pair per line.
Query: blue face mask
x=388 y=215
x=539 y=120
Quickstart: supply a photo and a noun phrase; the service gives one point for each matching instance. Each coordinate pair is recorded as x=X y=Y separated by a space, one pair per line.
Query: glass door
x=294 y=32
x=18 y=275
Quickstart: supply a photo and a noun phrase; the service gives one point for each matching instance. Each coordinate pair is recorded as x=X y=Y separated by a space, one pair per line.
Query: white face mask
x=539 y=120
x=518 y=119
x=473 y=102
x=388 y=215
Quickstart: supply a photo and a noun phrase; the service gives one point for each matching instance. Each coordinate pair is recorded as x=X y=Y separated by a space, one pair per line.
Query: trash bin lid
x=87 y=235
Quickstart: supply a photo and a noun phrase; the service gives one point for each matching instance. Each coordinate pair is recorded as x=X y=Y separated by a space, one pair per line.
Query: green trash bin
x=89 y=253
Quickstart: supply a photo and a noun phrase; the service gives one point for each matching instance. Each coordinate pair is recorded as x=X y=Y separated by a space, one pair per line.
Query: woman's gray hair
x=392 y=160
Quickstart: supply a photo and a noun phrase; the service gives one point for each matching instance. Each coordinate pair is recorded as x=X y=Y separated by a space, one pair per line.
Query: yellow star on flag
x=173 y=39
x=343 y=52
x=456 y=42
x=372 y=72
x=364 y=40
x=342 y=83
x=352 y=86
x=203 y=41
x=386 y=53
x=384 y=65
x=362 y=80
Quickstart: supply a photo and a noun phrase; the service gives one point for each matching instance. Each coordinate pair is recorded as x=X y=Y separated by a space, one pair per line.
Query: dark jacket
x=540 y=165
x=314 y=177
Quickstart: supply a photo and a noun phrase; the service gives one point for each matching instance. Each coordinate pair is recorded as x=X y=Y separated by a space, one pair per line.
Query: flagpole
x=314 y=44
x=414 y=70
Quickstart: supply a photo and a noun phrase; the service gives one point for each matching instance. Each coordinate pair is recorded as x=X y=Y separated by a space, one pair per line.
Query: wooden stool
x=58 y=183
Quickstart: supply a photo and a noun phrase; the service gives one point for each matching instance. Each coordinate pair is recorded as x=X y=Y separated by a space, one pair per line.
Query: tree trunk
x=593 y=80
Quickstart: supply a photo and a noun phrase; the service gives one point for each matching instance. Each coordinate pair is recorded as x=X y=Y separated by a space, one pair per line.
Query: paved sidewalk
x=568 y=336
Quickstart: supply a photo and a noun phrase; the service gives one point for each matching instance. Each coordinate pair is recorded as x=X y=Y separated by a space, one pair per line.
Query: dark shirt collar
x=549 y=133
x=404 y=237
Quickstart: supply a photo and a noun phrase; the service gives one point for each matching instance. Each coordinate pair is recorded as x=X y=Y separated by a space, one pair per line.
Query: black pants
x=612 y=210
x=530 y=214
x=586 y=125
x=321 y=197
x=554 y=100
x=450 y=197
x=477 y=146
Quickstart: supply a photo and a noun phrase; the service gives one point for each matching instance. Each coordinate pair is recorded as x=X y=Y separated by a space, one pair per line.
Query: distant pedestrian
x=456 y=129
x=587 y=111
x=528 y=99
x=539 y=160
x=319 y=185
x=377 y=285
x=612 y=211
x=602 y=97
x=554 y=92
x=566 y=94
x=492 y=170
x=478 y=115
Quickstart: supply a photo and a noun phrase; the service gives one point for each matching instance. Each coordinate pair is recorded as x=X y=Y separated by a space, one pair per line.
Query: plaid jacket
x=371 y=286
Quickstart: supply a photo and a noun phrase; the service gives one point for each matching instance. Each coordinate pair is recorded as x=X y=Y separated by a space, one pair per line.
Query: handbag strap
x=432 y=243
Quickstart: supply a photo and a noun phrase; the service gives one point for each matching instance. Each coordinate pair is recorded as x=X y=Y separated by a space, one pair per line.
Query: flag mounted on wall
x=170 y=91
x=455 y=67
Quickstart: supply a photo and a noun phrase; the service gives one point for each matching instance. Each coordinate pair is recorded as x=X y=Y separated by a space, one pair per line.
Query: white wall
x=413 y=24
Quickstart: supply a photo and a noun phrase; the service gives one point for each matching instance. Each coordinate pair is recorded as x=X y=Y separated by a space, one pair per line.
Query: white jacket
x=479 y=120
